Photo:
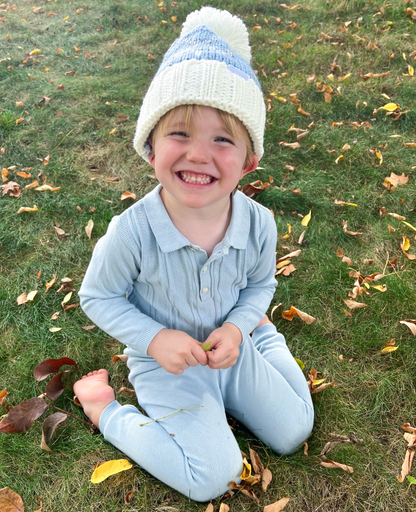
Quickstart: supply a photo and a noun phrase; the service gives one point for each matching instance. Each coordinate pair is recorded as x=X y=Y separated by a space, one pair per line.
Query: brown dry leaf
x=344 y=227
x=340 y=253
x=302 y=236
x=119 y=357
x=10 y=501
x=224 y=507
x=128 y=497
x=127 y=195
x=354 y=305
x=55 y=315
x=336 y=465
x=245 y=490
x=59 y=231
x=24 y=174
x=126 y=390
x=88 y=327
x=254 y=188
x=397 y=216
x=345 y=259
x=50 y=283
x=21 y=299
x=296 y=191
x=305 y=448
x=369 y=260
x=410 y=437
x=32 y=185
x=289 y=256
x=276 y=507
x=287 y=270
x=301 y=111
x=293 y=145
x=411 y=324
x=266 y=479
x=274 y=309
x=12 y=188
x=394 y=180
x=288 y=315
x=3 y=396
x=49 y=427
x=256 y=462
x=210 y=508
x=21 y=417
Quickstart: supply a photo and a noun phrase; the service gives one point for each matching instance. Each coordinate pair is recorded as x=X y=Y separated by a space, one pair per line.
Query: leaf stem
x=174 y=412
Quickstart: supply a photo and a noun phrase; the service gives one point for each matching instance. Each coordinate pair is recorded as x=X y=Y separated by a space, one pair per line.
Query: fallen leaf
x=336 y=465
x=55 y=329
x=109 y=468
x=344 y=227
x=27 y=209
x=224 y=507
x=31 y=295
x=288 y=315
x=254 y=188
x=12 y=188
x=59 y=231
x=345 y=259
x=120 y=357
x=88 y=228
x=49 y=427
x=274 y=309
x=352 y=304
x=10 y=501
x=88 y=327
x=50 y=283
x=387 y=350
x=266 y=479
x=128 y=195
x=51 y=366
x=293 y=145
x=3 y=396
x=210 y=508
x=55 y=387
x=411 y=324
x=394 y=180
x=128 y=497
x=306 y=219
x=55 y=315
x=390 y=107
x=126 y=390
x=276 y=507
x=20 y=418
x=245 y=490
x=343 y=203
x=21 y=299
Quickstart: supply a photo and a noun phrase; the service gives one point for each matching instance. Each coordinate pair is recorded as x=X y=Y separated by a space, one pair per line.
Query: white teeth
x=203 y=180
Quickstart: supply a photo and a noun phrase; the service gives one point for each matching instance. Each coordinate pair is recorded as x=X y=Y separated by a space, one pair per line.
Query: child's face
x=199 y=167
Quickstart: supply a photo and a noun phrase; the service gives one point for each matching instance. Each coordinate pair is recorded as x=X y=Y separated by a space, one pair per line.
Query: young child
x=194 y=262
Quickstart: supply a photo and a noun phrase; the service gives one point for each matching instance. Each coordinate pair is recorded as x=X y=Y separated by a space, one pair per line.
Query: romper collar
x=170 y=239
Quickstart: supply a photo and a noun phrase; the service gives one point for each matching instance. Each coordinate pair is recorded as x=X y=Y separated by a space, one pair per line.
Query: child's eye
x=179 y=134
x=224 y=139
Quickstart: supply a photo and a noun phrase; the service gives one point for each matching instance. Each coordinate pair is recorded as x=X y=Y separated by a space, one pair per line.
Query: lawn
x=340 y=145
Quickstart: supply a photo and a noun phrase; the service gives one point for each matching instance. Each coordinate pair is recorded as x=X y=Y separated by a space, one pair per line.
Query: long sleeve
x=114 y=267
x=255 y=298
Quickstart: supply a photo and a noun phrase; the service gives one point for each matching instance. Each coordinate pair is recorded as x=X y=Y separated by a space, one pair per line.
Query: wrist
x=235 y=332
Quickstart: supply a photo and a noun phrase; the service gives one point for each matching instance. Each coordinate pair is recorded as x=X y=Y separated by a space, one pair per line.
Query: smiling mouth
x=200 y=179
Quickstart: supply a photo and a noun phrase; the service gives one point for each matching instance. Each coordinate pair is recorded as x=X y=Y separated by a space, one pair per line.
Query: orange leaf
x=354 y=305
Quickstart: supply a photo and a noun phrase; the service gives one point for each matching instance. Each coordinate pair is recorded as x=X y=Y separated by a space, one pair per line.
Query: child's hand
x=176 y=351
x=226 y=341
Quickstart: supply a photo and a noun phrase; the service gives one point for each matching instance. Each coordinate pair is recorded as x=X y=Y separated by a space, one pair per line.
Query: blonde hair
x=231 y=123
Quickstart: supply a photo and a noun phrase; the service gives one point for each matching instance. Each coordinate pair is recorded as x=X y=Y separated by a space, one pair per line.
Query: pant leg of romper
x=267 y=391
x=203 y=456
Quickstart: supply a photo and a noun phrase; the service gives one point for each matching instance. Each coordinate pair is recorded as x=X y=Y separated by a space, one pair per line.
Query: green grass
x=374 y=394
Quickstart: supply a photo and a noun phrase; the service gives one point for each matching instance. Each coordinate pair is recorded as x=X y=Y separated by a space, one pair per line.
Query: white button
x=204 y=269
x=204 y=290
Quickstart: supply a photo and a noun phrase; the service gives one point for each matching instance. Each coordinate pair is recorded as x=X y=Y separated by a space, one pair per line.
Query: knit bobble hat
x=209 y=64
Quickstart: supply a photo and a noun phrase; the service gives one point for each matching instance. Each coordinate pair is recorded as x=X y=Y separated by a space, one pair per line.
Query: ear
x=251 y=166
x=152 y=158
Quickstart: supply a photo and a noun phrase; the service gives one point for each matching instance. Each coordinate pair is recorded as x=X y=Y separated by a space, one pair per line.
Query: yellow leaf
x=380 y=287
x=390 y=107
x=281 y=99
x=31 y=295
x=300 y=363
x=406 y=244
x=109 y=468
x=174 y=18
x=55 y=329
x=387 y=350
x=379 y=156
x=50 y=283
x=206 y=346
x=113 y=131
x=246 y=470
x=88 y=228
x=27 y=209
x=34 y=51
x=409 y=225
x=319 y=381
x=411 y=70
x=339 y=158
x=306 y=219
x=67 y=298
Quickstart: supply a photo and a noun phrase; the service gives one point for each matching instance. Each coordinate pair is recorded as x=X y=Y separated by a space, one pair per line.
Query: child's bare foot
x=264 y=320
x=94 y=393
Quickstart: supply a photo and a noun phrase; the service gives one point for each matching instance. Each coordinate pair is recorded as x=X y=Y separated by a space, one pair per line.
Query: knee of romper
x=214 y=478
x=298 y=433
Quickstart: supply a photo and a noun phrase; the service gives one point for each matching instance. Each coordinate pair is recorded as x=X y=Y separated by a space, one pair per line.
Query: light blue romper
x=144 y=275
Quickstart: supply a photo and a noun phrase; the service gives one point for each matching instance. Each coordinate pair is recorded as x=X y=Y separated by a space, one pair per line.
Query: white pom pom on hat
x=209 y=64
x=228 y=27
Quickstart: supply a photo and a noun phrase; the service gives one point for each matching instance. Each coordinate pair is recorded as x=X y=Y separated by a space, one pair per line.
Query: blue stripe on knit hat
x=203 y=43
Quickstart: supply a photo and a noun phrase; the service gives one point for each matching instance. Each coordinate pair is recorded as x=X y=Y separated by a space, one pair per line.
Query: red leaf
x=21 y=417
x=51 y=366
x=55 y=387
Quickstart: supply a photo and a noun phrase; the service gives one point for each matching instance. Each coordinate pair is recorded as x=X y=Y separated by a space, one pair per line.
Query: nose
x=198 y=152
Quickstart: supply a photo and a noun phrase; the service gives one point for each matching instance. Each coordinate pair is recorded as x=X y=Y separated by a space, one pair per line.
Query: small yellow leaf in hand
x=390 y=107
x=206 y=346
x=109 y=468
x=306 y=219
